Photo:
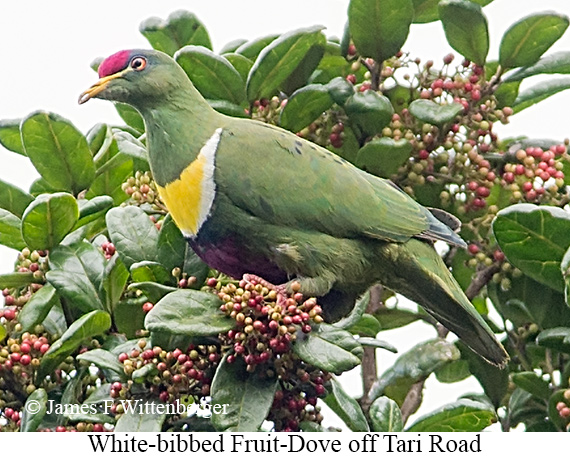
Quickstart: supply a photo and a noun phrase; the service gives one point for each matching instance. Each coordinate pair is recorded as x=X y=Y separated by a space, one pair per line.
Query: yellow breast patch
x=189 y=198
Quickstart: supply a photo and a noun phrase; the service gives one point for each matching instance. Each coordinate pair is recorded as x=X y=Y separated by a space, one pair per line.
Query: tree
x=107 y=303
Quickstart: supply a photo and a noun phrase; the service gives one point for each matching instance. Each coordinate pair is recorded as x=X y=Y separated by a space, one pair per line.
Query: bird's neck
x=176 y=131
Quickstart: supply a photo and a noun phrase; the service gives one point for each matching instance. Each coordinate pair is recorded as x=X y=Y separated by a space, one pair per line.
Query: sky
x=46 y=49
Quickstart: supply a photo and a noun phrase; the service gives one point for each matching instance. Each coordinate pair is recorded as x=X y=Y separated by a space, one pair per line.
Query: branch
x=481 y=279
x=413 y=400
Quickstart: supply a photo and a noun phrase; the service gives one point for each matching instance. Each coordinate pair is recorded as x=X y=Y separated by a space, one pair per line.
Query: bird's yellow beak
x=98 y=87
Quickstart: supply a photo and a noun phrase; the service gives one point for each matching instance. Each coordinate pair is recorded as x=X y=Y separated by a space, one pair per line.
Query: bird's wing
x=286 y=180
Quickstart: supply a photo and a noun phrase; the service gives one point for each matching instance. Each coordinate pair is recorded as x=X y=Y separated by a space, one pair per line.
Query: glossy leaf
x=346 y=407
x=130 y=146
x=434 y=113
x=131 y=116
x=10 y=280
x=133 y=234
x=465 y=28
x=104 y=360
x=426 y=10
x=241 y=63
x=153 y=290
x=367 y=325
x=304 y=106
x=115 y=277
x=383 y=156
x=532 y=383
x=329 y=348
x=128 y=315
x=539 y=92
x=251 y=49
x=455 y=371
x=385 y=416
x=277 y=61
x=527 y=39
x=171 y=245
x=58 y=150
x=181 y=28
x=150 y=421
x=376 y=343
x=340 y=90
x=557 y=338
x=87 y=326
x=151 y=271
x=10 y=232
x=299 y=77
x=556 y=63
x=10 y=135
x=214 y=77
x=14 y=199
x=379 y=28
x=48 y=219
x=461 y=416
x=95 y=208
x=34 y=410
x=38 y=307
x=248 y=397
x=232 y=46
x=369 y=112
x=188 y=312
x=391 y=318
x=535 y=239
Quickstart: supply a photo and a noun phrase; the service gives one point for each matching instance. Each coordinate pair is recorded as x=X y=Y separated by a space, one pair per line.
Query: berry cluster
x=563 y=408
x=142 y=190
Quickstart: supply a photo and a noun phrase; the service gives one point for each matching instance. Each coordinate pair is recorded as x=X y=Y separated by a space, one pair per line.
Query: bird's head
x=137 y=77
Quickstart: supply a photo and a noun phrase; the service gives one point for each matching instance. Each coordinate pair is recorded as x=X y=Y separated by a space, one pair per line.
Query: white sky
x=46 y=49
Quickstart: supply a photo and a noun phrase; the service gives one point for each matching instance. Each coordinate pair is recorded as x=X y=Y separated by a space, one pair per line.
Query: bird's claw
x=281 y=289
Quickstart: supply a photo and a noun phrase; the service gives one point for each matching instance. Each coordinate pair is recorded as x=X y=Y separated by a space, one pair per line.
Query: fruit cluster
x=563 y=408
x=141 y=188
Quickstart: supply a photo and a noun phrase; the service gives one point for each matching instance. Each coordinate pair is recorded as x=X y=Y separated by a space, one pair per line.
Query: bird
x=254 y=199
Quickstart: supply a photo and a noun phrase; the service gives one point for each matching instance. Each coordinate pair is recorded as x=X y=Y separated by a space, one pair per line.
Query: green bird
x=252 y=198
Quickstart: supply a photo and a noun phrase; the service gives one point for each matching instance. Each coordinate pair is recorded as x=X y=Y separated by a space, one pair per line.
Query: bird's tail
x=433 y=287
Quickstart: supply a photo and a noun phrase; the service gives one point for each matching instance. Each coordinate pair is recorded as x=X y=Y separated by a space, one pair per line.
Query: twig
x=413 y=400
x=481 y=279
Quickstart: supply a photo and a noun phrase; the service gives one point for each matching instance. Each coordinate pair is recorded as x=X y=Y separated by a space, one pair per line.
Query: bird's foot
x=281 y=289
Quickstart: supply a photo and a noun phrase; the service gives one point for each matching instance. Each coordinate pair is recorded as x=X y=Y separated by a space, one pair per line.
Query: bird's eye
x=138 y=63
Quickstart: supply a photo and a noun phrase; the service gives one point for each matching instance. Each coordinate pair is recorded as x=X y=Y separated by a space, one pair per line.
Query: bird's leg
x=280 y=289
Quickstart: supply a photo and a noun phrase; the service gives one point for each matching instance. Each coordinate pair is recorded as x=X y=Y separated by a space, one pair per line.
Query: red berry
x=473 y=249
x=44 y=348
x=25 y=359
x=351 y=78
x=98 y=428
x=9 y=313
x=60 y=429
x=212 y=282
x=123 y=356
x=147 y=307
x=499 y=255
x=25 y=348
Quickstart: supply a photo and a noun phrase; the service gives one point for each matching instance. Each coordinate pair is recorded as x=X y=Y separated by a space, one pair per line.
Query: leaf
x=277 y=61
x=304 y=106
x=38 y=307
x=391 y=318
x=148 y=271
x=539 y=92
x=340 y=90
x=214 y=77
x=416 y=364
x=530 y=37
x=104 y=360
x=34 y=410
x=455 y=371
x=87 y=326
x=534 y=239
x=299 y=77
x=368 y=325
x=557 y=338
x=385 y=416
x=58 y=150
x=15 y=280
x=465 y=28
x=188 y=312
x=553 y=413
x=346 y=407
x=115 y=277
x=383 y=156
x=329 y=348
x=462 y=416
x=379 y=28
x=247 y=397
x=130 y=146
x=150 y=421
x=556 y=63
x=131 y=116
x=10 y=233
x=95 y=208
x=375 y=343
x=171 y=245
x=240 y=63
x=152 y=290
x=232 y=46
x=76 y=272
x=251 y=49
x=532 y=383
x=133 y=234
x=48 y=219
x=434 y=113
x=128 y=316
x=369 y=111
x=10 y=136
x=14 y=199
x=181 y=28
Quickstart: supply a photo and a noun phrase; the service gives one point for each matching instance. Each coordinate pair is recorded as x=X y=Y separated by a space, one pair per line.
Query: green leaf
x=368 y=325
x=148 y=271
x=553 y=413
x=527 y=39
x=48 y=219
x=88 y=326
x=534 y=239
x=171 y=245
x=188 y=312
x=133 y=234
x=369 y=111
x=128 y=316
x=109 y=182
x=277 y=61
x=3 y=332
x=532 y=383
x=76 y=271
x=213 y=75
x=58 y=150
x=434 y=113
x=150 y=421
x=14 y=199
x=240 y=63
x=15 y=280
x=416 y=364
x=34 y=411
x=340 y=90
x=455 y=371
x=131 y=116
x=385 y=416
x=181 y=28
x=115 y=279
x=232 y=46
x=10 y=232
x=539 y=92
x=92 y=209
x=375 y=343
x=507 y=93
x=556 y=63
x=465 y=28
x=379 y=28
x=383 y=156
x=391 y=318
x=426 y=10
x=10 y=136
x=304 y=106
x=246 y=397
x=462 y=416
x=128 y=145
x=329 y=348
x=299 y=77
x=346 y=407
x=251 y=49
x=152 y=290
x=104 y=360
x=38 y=307
x=557 y=338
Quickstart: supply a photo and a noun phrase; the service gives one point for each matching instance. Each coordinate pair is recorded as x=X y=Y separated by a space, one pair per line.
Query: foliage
x=108 y=303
